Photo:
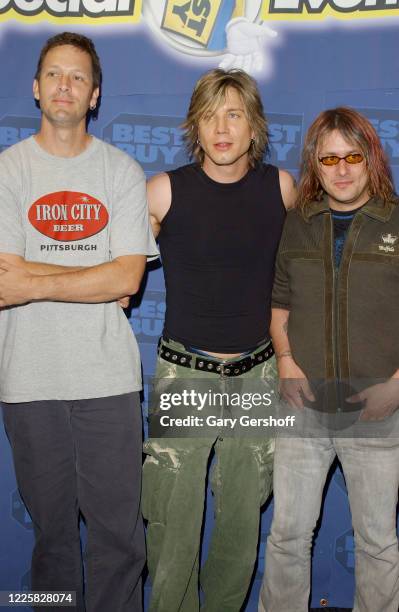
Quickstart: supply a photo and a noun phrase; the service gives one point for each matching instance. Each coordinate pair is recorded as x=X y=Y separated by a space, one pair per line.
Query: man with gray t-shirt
x=74 y=236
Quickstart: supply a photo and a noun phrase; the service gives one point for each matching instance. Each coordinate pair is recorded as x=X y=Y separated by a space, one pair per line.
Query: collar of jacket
x=374 y=208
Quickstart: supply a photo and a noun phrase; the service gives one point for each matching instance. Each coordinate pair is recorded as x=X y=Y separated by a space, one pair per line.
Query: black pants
x=74 y=457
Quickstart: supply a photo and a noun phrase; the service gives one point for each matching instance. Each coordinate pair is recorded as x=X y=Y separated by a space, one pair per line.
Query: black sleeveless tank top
x=218 y=244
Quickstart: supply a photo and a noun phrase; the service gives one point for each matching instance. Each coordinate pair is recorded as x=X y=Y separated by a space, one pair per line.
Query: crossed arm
x=23 y=281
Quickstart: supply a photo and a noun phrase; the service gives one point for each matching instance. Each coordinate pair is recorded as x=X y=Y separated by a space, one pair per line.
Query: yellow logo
x=71 y=11
x=191 y=20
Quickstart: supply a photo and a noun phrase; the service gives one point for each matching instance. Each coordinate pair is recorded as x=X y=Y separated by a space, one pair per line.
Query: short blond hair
x=209 y=93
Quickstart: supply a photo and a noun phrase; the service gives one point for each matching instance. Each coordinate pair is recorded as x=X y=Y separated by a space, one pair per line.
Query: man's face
x=344 y=183
x=65 y=86
x=225 y=134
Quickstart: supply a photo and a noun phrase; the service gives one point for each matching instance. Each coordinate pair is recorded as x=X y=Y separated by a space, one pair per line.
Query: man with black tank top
x=336 y=335
x=219 y=222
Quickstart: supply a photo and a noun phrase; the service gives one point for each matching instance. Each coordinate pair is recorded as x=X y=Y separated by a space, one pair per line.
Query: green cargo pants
x=174 y=487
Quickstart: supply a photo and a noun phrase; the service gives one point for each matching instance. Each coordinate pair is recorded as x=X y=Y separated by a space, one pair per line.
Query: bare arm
x=102 y=283
x=294 y=385
x=288 y=188
x=37 y=267
x=278 y=330
x=159 y=196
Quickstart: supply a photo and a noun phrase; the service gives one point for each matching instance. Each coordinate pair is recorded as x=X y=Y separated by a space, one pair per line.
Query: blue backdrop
x=326 y=54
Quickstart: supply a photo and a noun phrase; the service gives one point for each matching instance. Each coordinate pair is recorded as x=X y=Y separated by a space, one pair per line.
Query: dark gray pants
x=83 y=456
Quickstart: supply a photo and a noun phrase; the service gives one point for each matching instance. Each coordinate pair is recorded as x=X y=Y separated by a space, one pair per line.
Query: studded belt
x=225 y=368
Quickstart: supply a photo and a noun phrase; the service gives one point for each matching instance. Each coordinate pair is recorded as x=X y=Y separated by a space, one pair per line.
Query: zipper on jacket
x=336 y=277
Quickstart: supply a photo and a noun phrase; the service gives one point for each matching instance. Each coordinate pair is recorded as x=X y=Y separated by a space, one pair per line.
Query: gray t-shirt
x=78 y=211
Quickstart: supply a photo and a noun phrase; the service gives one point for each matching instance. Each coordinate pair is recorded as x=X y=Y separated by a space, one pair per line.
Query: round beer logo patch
x=68 y=215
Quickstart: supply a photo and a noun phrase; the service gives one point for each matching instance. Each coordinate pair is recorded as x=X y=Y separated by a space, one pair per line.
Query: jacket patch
x=388 y=242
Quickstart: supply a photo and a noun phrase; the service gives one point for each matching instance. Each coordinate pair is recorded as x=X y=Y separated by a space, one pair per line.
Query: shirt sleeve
x=281 y=290
x=131 y=232
x=12 y=234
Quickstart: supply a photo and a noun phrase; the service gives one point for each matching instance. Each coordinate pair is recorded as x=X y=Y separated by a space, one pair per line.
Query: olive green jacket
x=343 y=323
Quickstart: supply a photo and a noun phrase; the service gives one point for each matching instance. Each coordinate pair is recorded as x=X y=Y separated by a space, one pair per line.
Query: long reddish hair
x=355 y=128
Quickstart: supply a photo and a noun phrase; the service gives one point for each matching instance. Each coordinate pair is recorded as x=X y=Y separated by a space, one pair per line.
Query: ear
x=36 y=89
x=94 y=98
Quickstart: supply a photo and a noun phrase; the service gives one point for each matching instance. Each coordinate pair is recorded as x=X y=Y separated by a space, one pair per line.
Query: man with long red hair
x=336 y=335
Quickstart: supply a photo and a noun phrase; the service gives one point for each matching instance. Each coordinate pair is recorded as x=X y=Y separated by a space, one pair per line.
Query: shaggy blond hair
x=209 y=93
